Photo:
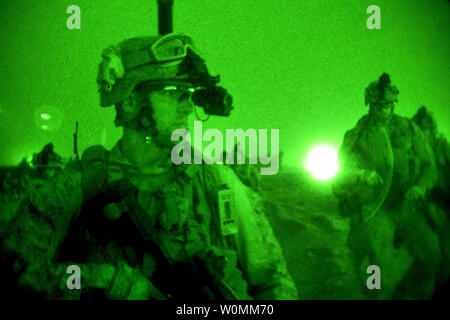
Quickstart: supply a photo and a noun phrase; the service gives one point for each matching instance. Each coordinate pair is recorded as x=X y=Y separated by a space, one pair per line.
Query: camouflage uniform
x=438 y=204
x=136 y=235
x=441 y=150
x=385 y=161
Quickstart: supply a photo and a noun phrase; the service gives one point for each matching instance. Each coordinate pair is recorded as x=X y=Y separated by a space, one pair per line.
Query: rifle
x=75 y=142
x=165 y=21
x=198 y=278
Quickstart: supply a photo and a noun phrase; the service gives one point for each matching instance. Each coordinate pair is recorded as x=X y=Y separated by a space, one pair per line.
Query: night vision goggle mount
x=214 y=99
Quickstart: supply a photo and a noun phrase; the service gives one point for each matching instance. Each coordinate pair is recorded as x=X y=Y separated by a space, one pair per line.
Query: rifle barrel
x=165 y=22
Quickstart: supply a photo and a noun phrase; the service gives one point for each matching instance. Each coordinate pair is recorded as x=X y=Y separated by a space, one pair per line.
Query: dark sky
x=297 y=66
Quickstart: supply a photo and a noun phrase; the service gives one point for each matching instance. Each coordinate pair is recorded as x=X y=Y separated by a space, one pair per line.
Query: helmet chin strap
x=198 y=116
x=144 y=153
x=144 y=121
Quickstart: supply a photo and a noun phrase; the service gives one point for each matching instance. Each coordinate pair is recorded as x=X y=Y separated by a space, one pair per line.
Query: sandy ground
x=313 y=236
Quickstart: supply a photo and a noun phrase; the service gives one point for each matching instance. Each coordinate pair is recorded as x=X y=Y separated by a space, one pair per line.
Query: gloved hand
x=370 y=177
x=415 y=193
x=120 y=282
x=130 y=284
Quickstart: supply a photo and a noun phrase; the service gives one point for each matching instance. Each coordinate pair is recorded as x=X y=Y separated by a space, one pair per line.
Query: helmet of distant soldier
x=381 y=91
x=47 y=159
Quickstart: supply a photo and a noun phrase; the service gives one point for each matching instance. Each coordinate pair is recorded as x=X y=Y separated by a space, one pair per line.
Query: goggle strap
x=141 y=58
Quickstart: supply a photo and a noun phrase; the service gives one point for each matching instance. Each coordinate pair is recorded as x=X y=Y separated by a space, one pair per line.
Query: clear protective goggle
x=186 y=92
x=171 y=47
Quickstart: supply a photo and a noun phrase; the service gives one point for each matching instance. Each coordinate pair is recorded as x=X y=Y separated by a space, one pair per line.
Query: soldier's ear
x=130 y=103
x=129 y=108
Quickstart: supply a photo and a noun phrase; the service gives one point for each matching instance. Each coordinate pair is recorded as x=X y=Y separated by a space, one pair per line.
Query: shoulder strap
x=94 y=170
x=221 y=202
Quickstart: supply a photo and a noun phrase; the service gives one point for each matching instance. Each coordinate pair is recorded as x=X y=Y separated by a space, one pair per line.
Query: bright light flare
x=322 y=162
x=30 y=160
x=48 y=118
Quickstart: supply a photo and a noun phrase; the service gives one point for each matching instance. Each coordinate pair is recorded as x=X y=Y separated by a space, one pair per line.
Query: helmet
x=47 y=158
x=155 y=59
x=425 y=120
x=381 y=91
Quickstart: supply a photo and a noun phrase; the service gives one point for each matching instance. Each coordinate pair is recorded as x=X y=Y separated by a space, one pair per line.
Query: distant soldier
x=387 y=169
x=47 y=162
x=441 y=149
x=438 y=205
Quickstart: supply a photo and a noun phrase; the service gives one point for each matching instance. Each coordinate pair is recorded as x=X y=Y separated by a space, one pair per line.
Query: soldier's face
x=383 y=110
x=49 y=172
x=171 y=109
